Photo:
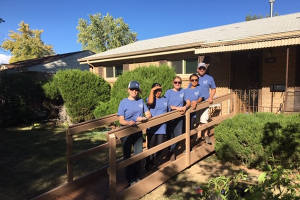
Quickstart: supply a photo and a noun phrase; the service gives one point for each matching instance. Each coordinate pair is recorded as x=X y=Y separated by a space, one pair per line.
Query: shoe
x=207 y=140
x=173 y=157
x=132 y=183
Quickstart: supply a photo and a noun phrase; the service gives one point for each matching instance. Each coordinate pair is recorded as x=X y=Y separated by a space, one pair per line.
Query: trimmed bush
x=146 y=76
x=21 y=98
x=252 y=139
x=80 y=90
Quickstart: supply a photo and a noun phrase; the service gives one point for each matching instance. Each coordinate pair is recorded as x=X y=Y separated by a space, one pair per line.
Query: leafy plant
x=251 y=139
x=146 y=76
x=81 y=91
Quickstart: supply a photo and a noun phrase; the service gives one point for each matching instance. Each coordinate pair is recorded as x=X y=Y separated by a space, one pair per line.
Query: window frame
x=183 y=65
x=114 y=71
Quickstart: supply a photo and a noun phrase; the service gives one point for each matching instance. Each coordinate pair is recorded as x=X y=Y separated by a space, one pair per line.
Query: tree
x=250 y=17
x=81 y=92
x=103 y=33
x=26 y=44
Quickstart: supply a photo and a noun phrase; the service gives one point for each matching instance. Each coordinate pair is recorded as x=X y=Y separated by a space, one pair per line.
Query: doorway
x=246 y=80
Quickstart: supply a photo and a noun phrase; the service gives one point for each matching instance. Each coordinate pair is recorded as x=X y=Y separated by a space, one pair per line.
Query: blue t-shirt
x=205 y=82
x=159 y=106
x=175 y=98
x=132 y=109
x=194 y=95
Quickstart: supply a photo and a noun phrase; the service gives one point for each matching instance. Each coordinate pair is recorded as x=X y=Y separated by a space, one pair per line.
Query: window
x=187 y=66
x=114 y=71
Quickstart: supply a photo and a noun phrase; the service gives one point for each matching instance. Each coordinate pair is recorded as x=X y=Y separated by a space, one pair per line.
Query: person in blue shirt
x=176 y=101
x=157 y=134
x=131 y=110
x=195 y=95
x=207 y=83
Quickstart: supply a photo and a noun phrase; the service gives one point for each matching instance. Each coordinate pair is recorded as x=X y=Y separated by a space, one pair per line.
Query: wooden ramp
x=98 y=188
x=109 y=182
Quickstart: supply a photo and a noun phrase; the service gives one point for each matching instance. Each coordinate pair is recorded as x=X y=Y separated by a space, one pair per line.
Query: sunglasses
x=132 y=89
x=202 y=68
x=194 y=80
x=177 y=82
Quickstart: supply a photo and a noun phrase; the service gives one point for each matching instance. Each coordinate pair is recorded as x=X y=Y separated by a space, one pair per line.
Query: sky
x=149 y=19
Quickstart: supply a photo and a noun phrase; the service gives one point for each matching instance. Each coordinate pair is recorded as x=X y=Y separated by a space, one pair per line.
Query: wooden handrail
x=127 y=130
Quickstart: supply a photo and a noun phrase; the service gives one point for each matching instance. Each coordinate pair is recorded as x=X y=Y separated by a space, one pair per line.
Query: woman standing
x=131 y=110
x=195 y=95
x=156 y=135
x=176 y=99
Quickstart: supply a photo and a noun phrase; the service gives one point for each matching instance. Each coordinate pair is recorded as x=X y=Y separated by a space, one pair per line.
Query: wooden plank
x=112 y=167
x=187 y=138
x=77 y=128
x=69 y=140
x=91 y=151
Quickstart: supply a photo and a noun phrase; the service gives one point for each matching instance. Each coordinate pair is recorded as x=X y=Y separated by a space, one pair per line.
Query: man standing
x=207 y=83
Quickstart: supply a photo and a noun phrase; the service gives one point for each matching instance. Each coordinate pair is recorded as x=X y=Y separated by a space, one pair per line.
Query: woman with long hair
x=176 y=101
x=156 y=135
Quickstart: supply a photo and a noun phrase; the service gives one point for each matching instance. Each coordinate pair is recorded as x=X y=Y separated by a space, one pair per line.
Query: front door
x=246 y=79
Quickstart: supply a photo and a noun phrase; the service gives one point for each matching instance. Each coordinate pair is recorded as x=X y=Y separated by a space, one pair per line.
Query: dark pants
x=133 y=171
x=153 y=140
x=174 y=129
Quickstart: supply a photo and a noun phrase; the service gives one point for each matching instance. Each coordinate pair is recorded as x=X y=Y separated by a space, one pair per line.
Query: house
x=48 y=64
x=259 y=60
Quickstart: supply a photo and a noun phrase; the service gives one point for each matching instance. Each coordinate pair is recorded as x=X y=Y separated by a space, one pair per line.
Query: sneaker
x=132 y=183
x=207 y=140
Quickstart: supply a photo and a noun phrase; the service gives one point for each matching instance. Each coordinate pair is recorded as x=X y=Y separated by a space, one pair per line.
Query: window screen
x=109 y=72
x=119 y=70
x=191 y=66
x=177 y=65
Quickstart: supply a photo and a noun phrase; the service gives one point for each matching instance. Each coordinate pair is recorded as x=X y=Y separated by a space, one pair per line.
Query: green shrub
x=146 y=76
x=80 y=90
x=21 y=97
x=252 y=139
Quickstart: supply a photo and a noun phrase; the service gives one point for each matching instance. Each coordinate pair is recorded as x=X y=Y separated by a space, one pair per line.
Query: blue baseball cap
x=134 y=85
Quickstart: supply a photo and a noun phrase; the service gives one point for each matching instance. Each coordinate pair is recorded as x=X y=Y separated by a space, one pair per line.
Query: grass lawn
x=33 y=159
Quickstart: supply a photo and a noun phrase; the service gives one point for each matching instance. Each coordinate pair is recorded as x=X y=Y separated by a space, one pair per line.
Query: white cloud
x=4 y=59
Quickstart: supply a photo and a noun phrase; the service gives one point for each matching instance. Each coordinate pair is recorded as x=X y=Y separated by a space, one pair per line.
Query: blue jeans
x=133 y=171
x=174 y=128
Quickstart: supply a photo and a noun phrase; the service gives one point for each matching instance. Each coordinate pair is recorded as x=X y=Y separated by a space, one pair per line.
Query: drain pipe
x=271 y=5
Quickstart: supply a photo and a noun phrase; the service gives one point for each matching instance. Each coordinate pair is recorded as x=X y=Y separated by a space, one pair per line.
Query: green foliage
x=103 y=33
x=26 y=44
x=146 y=76
x=252 y=139
x=250 y=17
x=275 y=183
x=80 y=90
x=21 y=96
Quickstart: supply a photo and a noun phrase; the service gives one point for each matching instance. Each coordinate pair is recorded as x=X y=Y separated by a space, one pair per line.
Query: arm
x=151 y=96
x=194 y=103
x=212 y=94
x=125 y=122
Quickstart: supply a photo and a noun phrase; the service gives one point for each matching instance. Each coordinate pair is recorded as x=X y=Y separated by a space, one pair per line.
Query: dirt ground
x=183 y=185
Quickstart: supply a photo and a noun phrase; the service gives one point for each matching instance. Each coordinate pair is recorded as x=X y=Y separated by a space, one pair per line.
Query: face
x=201 y=70
x=133 y=92
x=194 y=80
x=177 y=83
x=158 y=93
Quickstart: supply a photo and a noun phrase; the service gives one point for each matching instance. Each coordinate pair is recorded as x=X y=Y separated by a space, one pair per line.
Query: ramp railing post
x=187 y=137
x=69 y=140
x=112 y=167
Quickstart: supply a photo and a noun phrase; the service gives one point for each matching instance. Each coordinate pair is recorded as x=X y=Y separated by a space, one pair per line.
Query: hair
x=177 y=77
x=155 y=84
x=193 y=75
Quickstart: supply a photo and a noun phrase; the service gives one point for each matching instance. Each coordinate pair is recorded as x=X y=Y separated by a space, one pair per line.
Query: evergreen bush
x=80 y=90
x=21 y=98
x=252 y=139
x=146 y=76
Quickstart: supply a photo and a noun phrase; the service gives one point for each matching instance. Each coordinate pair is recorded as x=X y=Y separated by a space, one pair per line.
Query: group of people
x=133 y=109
